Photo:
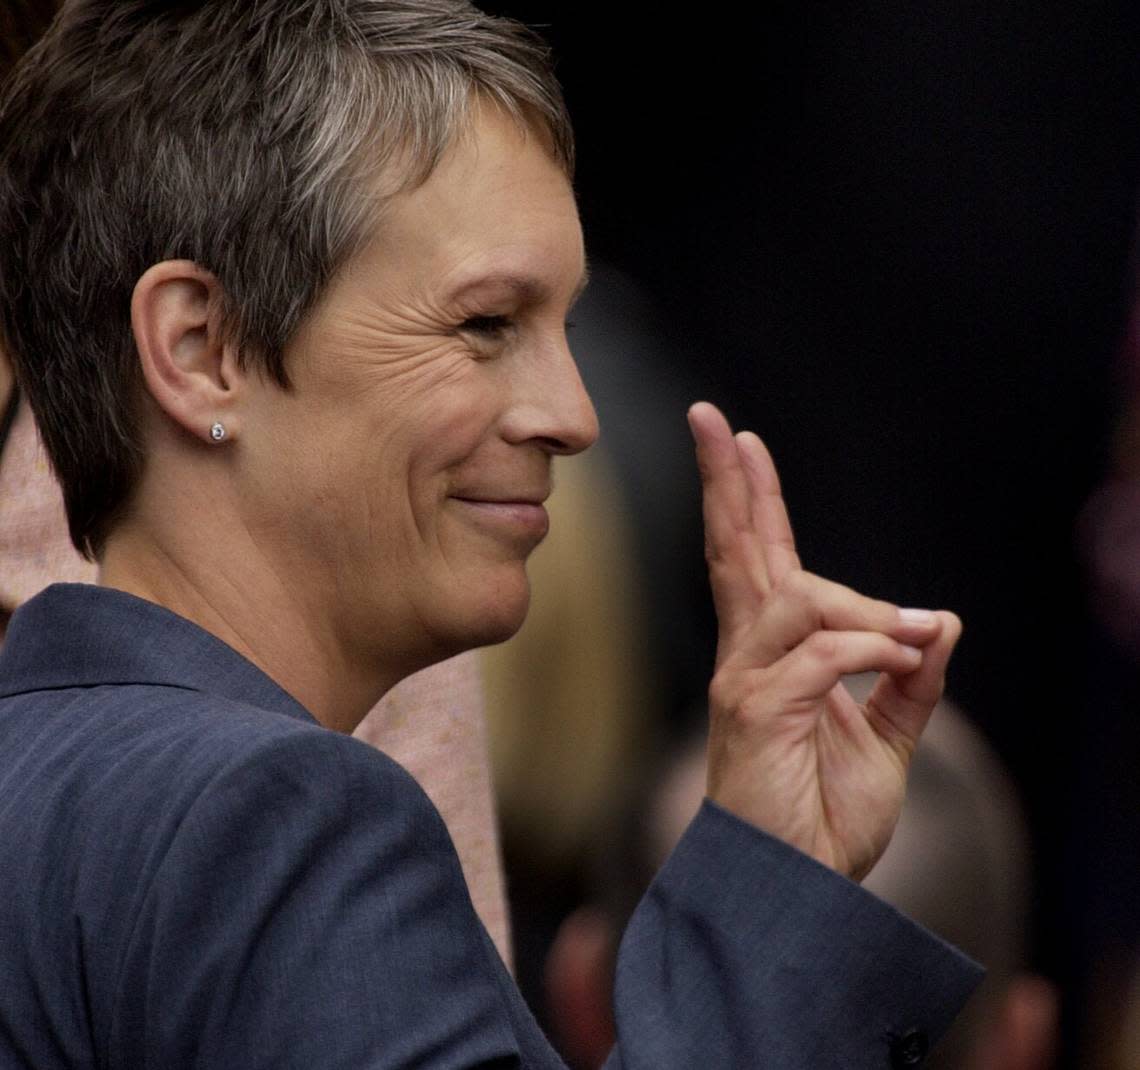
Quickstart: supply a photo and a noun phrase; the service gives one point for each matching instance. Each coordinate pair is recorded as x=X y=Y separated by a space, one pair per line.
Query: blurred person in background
x=583 y=699
x=571 y=702
x=1108 y=536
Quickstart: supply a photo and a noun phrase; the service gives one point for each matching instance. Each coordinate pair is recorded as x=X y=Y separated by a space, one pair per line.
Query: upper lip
x=528 y=497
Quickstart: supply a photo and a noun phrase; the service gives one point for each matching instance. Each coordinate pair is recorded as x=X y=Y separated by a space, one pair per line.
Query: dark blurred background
x=894 y=239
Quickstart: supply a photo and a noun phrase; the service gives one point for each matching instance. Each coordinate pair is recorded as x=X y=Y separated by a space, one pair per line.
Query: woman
x=286 y=287
x=432 y=724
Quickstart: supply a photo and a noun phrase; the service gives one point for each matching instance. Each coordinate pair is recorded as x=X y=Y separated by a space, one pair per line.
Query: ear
x=189 y=369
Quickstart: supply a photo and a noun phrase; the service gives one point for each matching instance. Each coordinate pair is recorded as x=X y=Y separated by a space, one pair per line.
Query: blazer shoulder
x=311 y=892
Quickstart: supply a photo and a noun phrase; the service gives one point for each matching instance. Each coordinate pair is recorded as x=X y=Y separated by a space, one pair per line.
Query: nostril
x=563 y=447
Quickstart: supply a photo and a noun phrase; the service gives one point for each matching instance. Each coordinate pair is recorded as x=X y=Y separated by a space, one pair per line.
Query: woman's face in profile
x=402 y=478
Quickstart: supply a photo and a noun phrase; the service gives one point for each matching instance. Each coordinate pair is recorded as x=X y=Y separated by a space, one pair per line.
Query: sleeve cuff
x=747 y=952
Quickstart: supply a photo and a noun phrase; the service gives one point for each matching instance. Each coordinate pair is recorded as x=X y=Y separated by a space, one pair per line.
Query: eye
x=486 y=326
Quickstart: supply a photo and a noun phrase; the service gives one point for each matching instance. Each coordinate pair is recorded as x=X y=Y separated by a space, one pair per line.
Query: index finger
x=725 y=490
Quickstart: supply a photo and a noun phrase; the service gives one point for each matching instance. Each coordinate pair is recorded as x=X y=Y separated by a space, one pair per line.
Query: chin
x=503 y=621
x=492 y=616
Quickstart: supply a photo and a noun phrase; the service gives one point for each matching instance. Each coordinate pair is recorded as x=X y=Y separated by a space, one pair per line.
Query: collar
x=79 y=635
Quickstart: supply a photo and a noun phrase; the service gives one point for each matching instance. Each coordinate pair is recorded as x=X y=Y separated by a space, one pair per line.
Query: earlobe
x=187 y=363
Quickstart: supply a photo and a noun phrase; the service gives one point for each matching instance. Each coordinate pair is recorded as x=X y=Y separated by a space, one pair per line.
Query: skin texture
x=377 y=516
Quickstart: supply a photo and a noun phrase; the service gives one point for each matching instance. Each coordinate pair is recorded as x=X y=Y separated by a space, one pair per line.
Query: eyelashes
x=487 y=326
x=495 y=328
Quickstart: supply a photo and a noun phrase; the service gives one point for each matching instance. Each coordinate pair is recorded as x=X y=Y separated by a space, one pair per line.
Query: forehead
x=498 y=211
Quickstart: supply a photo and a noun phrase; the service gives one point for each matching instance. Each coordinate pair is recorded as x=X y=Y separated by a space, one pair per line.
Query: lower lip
x=521 y=518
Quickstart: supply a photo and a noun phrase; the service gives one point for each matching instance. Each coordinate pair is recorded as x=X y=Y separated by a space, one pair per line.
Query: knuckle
x=797 y=584
x=721 y=693
x=736 y=699
x=887 y=612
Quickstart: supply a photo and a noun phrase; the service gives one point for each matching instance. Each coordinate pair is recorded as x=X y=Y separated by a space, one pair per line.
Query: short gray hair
x=245 y=135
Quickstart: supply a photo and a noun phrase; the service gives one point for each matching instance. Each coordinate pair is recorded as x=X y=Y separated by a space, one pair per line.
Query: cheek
x=455 y=431
x=374 y=465
x=313 y=477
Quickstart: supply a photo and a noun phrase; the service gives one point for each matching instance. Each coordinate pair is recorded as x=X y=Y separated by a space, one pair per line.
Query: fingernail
x=917 y=616
x=911 y=652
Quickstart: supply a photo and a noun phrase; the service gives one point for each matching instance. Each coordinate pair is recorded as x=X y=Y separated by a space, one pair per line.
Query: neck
x=232 y=590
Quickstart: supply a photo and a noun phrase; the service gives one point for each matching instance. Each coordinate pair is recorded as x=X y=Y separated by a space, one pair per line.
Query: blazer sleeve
x=747 y=953
x=310 y=912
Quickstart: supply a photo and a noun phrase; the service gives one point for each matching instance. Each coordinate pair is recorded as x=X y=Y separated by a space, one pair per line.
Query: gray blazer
x=196 y=874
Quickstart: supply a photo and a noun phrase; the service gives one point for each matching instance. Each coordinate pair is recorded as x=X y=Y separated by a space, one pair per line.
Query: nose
x=551 y=405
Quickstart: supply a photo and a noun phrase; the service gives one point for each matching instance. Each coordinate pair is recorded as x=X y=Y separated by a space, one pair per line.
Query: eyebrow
x=527 y=288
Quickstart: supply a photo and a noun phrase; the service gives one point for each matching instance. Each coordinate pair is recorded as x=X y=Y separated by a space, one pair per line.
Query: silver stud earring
x=217 y=432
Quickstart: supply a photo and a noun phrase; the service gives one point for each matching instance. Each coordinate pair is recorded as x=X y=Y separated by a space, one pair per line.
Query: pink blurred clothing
x=432 y=723
x=34 y=547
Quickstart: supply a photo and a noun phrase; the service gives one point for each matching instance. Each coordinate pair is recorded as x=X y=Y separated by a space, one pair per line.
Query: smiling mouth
x=525 y=518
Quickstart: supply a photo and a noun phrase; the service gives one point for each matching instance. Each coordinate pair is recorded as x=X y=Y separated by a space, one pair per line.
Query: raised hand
x=789 y=749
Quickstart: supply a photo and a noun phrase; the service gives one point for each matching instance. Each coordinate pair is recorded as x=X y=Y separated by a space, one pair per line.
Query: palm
x=859 y=775
x=790 y=750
